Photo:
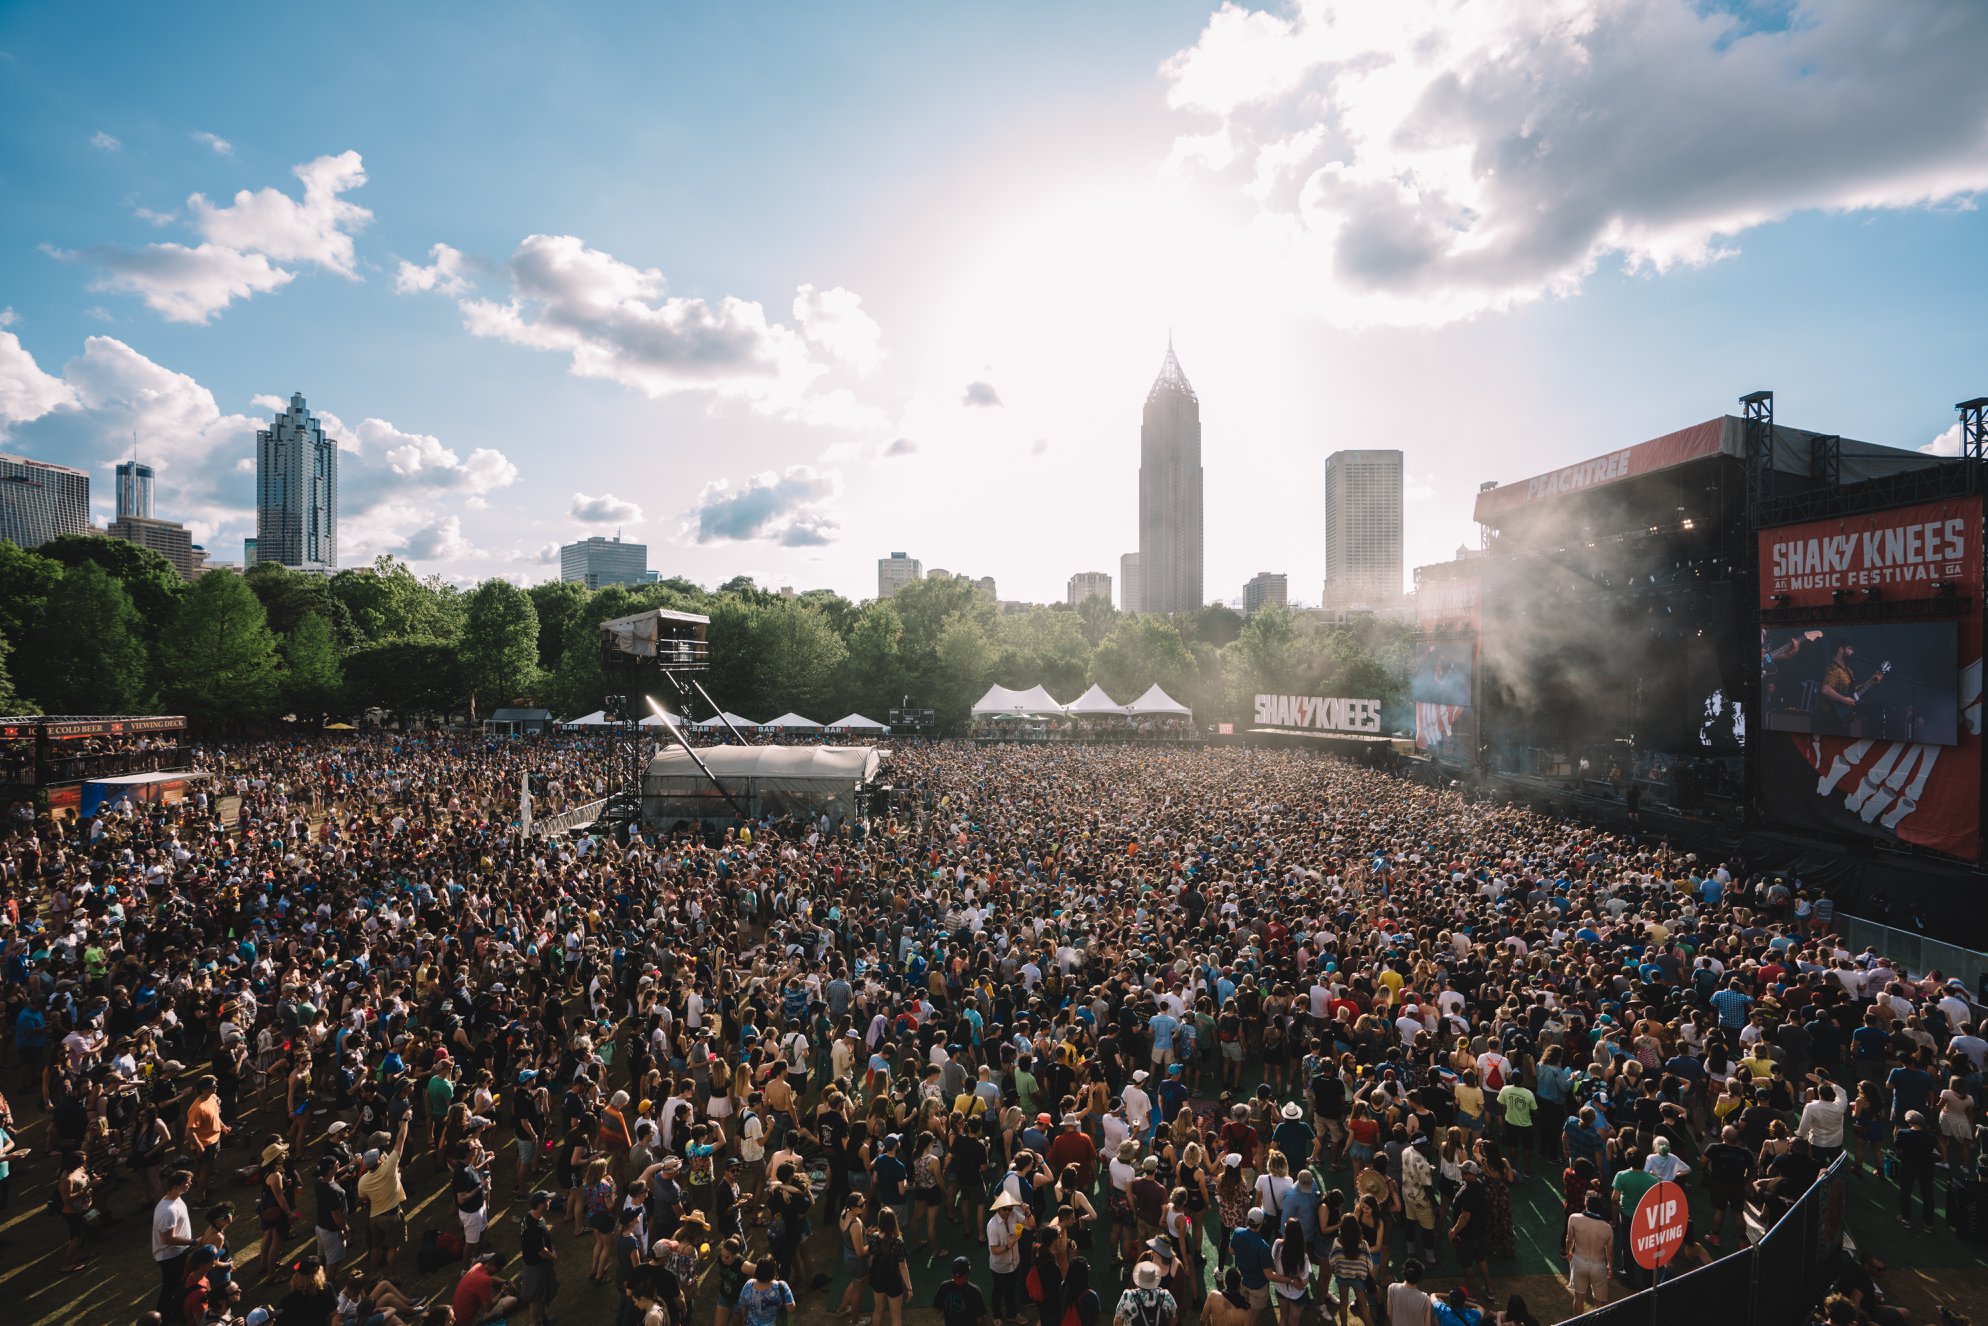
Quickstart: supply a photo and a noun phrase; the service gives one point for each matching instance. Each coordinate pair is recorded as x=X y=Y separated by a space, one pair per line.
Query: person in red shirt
x=480 y=1295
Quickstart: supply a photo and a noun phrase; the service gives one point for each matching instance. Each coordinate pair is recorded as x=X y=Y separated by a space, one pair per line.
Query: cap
x=962 y=1266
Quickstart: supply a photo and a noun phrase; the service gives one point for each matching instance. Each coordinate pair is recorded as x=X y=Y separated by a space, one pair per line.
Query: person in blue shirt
x=1163 y=1025
x=1253 y=1261
x=1731 y=1004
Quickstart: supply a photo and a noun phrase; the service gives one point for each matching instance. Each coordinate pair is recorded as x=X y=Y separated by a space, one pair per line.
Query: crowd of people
x=1071 y=1031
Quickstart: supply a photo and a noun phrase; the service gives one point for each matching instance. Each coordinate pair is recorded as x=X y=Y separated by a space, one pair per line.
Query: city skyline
x=514 y=356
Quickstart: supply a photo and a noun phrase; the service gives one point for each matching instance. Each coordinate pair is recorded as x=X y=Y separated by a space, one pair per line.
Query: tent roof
x=1157 y=701
x=784 y=766
x=857 y=720
x=791 y=719
x=1001 y=700
x=1095 y=701
x=598 y=718
x=719 y=722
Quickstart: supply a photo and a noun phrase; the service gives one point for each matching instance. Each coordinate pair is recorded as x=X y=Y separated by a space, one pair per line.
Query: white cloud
x=1423 y=160
x=217 y=144
x=444 y=275
x=1946 y=444
x=155 y=218
x=26 y=393
x=396 y=488
x=834 y=320
x=242 y=244
x=607 y=509
x=440 y=541
x=182 y=284
x=787 y=508
x=981 y=395
x=317 y=230
x=902 y=446
x=103 y=142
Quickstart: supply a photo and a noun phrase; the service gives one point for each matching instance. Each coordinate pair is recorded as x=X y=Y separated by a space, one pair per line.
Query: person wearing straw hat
x=1146 y=1302
x=1010 y=1228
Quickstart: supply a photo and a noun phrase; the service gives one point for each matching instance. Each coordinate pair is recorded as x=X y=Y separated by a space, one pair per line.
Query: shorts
x=927 y=1196
x=1420 y=1214
x=1233 y=1052
x=1470 y=1249
x=601 y=1223
x=1587 y=1278
x=1728 y=1196
x=1954 y=1127
x=331 y=1246
x=271 y=1217
x=387 y=1229
x=537 y=1284
x=1259 y=1299
x=474 y=1223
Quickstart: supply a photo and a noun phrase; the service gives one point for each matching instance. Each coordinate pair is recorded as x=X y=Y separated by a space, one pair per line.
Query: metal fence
x=576 y=818
x=1776 y=1282
x=1919 y=953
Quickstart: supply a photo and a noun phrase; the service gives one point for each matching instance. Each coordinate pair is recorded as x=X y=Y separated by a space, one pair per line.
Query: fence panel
x=1632 y=1311
x=1714 y=1295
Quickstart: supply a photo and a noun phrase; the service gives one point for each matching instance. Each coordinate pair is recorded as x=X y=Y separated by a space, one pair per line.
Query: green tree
x=154 y=586
x=219 y=657
x=1217 y=624
x=387 y=601
x=1139 y=652
x=27 y=579
x=1098 y=617
x=499 y=645
x=406 y=677
x=312 y=673
x=1266 y=656
x=873 y=678
x=578 y=684
x=965 y=665
x=289 y=595
x=1043 y=646
x=87 y=655
x=556 y=602
x=797 y=654
x=11 y=701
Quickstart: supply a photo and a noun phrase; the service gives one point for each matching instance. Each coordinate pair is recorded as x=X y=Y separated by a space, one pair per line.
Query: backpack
x=1033 y=1285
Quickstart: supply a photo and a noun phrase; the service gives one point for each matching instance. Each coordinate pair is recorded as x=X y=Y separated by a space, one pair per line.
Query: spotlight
x=1781 y=600
x=1689 y=523
x=1872 y=593
x=1839 y=596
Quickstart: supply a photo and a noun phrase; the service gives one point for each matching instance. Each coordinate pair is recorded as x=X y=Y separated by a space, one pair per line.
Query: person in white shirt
x=1822 y=1119
x=1138 y=1106
x=172 y=1240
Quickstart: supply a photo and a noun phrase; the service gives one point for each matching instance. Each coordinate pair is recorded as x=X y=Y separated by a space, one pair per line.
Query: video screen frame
x=1440 y=672
x=1880 y=681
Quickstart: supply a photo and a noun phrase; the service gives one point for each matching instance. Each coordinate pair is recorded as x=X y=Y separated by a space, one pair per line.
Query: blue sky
x=722 y=276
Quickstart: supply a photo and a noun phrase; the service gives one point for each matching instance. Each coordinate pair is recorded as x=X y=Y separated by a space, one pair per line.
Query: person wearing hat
x=1292 y=1135
x=538 y=1282
x=1146 y=1302
x=1250 y=1251
x=958 y=1300
x=274 y=1200
x=1008 y=1224
x=384 y=1198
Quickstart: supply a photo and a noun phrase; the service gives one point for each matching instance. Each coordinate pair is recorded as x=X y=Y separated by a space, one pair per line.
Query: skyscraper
x=1170 y=494
x=170 y=539
x=1128 y=582
x=296 y=492
x=1264 y=589
x=596 y=561
x=39 y=501
x=1362 y=528
x=896 y=571
x=134 y=491
x=1089 y=585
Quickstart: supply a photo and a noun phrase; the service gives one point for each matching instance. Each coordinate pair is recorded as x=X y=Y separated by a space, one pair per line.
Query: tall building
x=168 y=538
x=896 y=571
x=1362 y=528
x=134 y=490
x=1128 y=582
x=1170 y=494
x=596 y=561
x=39 y=501
x=1089 y=585
x=248 y=553
x=296 y=491
x=1264 y=589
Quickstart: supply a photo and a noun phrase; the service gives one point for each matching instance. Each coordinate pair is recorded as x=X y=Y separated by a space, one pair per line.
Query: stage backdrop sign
x=1318 y=713
x=1918 y=792
x=1446 y=605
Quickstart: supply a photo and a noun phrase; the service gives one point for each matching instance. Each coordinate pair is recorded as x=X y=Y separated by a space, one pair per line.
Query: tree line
x=96 y=625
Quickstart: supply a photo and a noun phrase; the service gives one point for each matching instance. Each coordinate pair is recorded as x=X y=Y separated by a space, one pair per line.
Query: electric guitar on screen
x=1846 y=713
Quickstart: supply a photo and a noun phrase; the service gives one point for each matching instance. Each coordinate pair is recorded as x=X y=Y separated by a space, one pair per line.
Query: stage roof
x=1724 y=436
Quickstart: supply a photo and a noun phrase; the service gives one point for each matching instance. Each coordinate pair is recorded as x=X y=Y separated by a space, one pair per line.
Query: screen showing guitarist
x=1841 y=690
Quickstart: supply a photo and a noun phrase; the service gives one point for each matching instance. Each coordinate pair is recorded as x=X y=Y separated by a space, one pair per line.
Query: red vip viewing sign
x=1656 y=1230
x=1902 y=554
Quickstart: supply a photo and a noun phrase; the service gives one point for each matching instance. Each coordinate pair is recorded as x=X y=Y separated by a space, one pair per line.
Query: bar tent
x=1095 y=701
x=1157 y=701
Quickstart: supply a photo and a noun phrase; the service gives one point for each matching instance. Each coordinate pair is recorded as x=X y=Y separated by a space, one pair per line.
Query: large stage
x=1760 y=630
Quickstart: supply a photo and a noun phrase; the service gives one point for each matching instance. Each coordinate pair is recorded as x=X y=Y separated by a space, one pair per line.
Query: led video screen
x=1442 y=672
x=1868 y=682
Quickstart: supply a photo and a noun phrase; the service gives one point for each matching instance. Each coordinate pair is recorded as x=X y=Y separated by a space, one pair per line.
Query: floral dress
x=1499 y=1190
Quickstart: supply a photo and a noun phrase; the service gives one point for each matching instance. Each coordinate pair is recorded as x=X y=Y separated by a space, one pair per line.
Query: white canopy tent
x=1157 y=701
x=1095 y=701
x=770 y=780
x=791 y=721
x=718 y=724
x=853 y=722
x=1001 y=700
x=598 y=718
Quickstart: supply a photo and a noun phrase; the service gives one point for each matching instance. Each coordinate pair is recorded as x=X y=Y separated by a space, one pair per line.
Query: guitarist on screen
x=1839 y=684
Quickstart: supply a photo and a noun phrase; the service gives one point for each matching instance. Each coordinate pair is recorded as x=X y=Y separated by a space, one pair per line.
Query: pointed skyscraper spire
x=1171 y=378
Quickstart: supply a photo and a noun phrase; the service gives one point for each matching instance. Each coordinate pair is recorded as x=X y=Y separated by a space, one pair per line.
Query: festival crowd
x=1066 y=1033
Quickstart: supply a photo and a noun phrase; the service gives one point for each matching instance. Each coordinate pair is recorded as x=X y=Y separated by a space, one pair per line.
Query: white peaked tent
x=653 y=720
x=718 y=724
x=598 y=718
x=857 y=721
x=1157 y=701
x=793 y=722
x=1001 y=700
x=1095 y=701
